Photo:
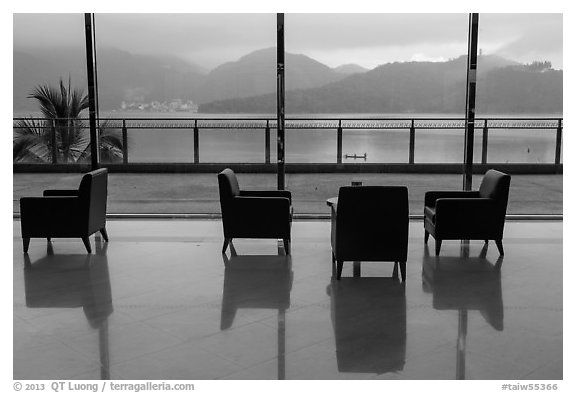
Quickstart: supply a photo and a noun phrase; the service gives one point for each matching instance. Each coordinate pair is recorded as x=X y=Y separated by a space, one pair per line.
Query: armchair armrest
x=267 y=194
x=49 y=216
x=458 y=212
x=431 y=197
x=263 y=205
x=60 y=193
x=54 y=205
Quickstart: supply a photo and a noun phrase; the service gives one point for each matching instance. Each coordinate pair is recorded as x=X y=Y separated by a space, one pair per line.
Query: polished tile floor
x=159 y=301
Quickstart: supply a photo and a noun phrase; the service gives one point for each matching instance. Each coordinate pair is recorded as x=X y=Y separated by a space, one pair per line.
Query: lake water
x=146 y=145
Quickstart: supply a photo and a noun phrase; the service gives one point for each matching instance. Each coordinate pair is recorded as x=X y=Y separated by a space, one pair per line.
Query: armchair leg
x=426 y=236
x=86 y=241
x=356 y=269
x=403 y=271
x=395 y=271
x=104 y=234
x=339 y=269
x=438 y=245
x=49 y=239
x=500 y=246
x=227 y=241
x=26 y=243
x=287 y=246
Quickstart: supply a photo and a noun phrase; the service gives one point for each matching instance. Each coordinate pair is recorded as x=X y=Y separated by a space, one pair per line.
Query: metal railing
x=339 y=124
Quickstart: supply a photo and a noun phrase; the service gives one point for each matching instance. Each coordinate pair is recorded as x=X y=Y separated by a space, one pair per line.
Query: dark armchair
x=67 y=213
x=468 y=215
x=370 y=223
x=254 y=214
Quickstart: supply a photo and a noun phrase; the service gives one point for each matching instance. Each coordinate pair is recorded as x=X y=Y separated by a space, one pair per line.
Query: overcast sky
x=334 y=39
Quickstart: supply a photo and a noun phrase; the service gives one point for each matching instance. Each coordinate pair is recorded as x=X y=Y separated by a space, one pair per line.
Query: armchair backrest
x=228 y=184
x=496 y=185
x=372 y=221
x=93 y=193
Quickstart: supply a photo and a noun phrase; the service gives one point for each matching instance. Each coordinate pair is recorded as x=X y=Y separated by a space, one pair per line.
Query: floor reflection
x=465 y=283
x=258 y=282
x=369 y=319
x=73 y=281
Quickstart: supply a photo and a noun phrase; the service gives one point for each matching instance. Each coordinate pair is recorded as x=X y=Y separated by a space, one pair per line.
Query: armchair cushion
x=430 y=213
x=431 y=196
x=60 y=193
x=267 y=193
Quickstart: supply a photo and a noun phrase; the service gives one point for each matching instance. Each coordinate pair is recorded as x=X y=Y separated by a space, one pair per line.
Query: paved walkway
x=198 y=193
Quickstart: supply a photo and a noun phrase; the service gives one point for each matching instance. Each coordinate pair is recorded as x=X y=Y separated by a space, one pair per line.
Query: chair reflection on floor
x=71 y=281
x=465 y=283
x=258 y=282
x=369 y=318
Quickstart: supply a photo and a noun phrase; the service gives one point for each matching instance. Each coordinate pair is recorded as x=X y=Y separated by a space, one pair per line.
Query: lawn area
x=198 y=193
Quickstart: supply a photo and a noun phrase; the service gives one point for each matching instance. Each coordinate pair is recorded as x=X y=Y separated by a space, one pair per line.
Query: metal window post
x=470 y=100
x=54 y=141
x=339 y=143
x=558 y=143
x=267 y=143
x=412 y=143
x=124 y=142
x=485 y=142
x=280 y=96
x=196 y=142
x=92 y=90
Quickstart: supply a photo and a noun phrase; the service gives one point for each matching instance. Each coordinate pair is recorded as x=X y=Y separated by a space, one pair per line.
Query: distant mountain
x=30 y=70
x=122 y=76
x=127 y=77
x=248 y=85
x=255 y=74
x=349 y=69
x=419 y=87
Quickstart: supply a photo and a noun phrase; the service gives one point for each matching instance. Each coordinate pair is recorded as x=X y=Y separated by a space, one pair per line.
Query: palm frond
x=31 y=141
x=110 y=143
x=63 y=106
x=48 y=99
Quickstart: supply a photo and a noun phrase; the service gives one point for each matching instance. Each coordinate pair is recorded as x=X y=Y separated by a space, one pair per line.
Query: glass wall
x=375 y=77
x=362 y=90
x=176 y=82
x=520 y=76
x=49 y=82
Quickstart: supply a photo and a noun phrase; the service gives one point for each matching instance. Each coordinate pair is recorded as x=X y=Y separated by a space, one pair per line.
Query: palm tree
x=33 y=139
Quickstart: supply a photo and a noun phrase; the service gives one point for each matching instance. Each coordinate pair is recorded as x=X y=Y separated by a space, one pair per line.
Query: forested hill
x=419 y=87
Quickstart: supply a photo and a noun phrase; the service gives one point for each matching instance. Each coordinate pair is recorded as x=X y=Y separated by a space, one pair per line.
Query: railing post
x=558 y=142
x=124 y=142
x=54 y=141
x=485 y=142
x=196 y=143
x=412 y=143
x=339 y=143
x=267 y=143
